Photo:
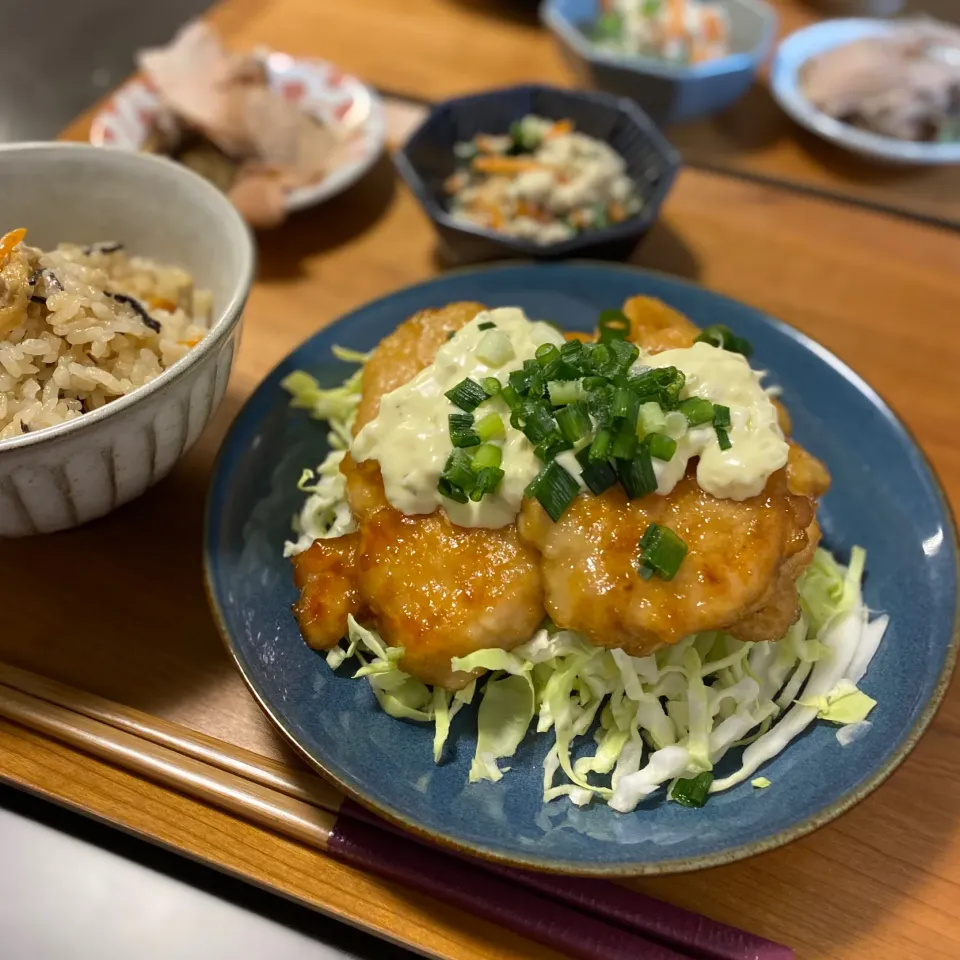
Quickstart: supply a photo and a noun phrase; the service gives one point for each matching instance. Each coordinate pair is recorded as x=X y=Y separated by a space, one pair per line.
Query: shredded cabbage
x=674 y=714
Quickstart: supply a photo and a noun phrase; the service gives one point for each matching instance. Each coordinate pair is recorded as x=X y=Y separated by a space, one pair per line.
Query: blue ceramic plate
x=797 y=49
x=884 y=497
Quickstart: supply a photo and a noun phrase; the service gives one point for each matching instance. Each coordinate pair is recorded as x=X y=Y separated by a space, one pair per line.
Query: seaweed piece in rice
x=138 y=308
x=53 y=282
x=105 y=246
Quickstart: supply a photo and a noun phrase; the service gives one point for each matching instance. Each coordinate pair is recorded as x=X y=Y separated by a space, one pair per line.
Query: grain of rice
x=68 y=346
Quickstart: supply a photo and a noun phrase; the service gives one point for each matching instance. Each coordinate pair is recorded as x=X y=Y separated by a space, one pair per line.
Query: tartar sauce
x=410 y=436
x=757 y=447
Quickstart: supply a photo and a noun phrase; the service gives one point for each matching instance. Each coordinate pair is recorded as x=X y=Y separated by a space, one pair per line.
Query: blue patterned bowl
x=427 y=159
x=884 y=497
x=669 y=93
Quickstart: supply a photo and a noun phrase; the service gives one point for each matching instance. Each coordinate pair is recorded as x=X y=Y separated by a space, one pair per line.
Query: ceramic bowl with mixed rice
x=83 y=325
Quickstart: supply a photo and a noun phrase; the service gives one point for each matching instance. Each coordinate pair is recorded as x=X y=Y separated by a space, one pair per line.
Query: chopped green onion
x=495 y=348
x=600 y=404
x=462 y=433
x=547 y=353
x=660 y=445
x=451 y=491
x=488 y=481
x=487 y=455
x=676 y=424
x=571 y=361
x=624 y=354
x=651 y=419
x=598 y=476
x=612 y=325
x=625 y=406
x=723 y=438
x=491 y=386
x=490 y=427
x=565 y=391
x=467 y=395
x=457 y=480
x=550 y=447
x=521 y=381
x=661 y=551
x=723 y=337
x=574 y=421
x=600 y=448
x=510 y=396
x=487 y=325
x=721 y=416
x=692 y=792
x=636 y=476
x=554 y=488
x=594 y=383
x=537 y=423
x=624 y=441
x=523 y=139
x=697 y=410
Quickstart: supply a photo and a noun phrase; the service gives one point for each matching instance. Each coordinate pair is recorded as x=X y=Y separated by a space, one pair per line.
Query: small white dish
x=800 y=47
x=320 y=87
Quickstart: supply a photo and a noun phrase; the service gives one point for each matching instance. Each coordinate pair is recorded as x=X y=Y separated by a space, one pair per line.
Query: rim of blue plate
x=801 y=46
x=706 y=861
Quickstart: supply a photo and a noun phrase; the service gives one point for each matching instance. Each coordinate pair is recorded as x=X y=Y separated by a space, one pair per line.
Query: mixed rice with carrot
x=543 y=181
x=82 y=325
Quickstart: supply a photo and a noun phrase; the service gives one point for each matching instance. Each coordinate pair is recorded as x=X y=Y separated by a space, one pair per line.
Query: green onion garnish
x=521 y=381
x=598 y=476
x=660 y=445
x=661 y=552
x=650 y=418
x=571 y=360
x=636 y=475
x=624 y=441
x=546 y=354
x=489 y=427
x=510 y=396
x=574 y=421
x=565 y=391
x=486 y=325
x=462 y=433
x=721 y=416
x=694 y=791
x=488 y=481
x=612 y=325
x=537 y=423
x=467 y=395
x=457 y=480
x=625 y=406
x=487 y=455
x=491 y=386
x=697 y=410
x=554 y=488
x=723 y=438
x=550 y=447
x=600 y=448
x=451 y=491
x=624 y=354
x=723 y=337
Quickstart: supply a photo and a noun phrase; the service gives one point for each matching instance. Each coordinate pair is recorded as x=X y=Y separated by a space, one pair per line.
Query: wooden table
x=882 y=883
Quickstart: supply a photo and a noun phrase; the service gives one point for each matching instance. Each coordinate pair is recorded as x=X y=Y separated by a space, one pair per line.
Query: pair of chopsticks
x=581 y=918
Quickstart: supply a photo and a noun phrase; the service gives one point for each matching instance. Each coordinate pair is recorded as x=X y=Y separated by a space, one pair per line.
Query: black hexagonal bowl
x=427 y=159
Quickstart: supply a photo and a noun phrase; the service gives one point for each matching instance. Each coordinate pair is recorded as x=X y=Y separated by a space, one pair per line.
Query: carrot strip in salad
x=509 y=166
x=559 y=129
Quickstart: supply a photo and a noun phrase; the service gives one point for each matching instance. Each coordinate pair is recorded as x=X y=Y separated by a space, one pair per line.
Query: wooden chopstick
x=638 y=913
x=388 y=855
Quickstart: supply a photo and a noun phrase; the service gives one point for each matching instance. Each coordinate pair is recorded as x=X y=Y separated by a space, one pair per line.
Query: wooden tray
x=131 y=711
